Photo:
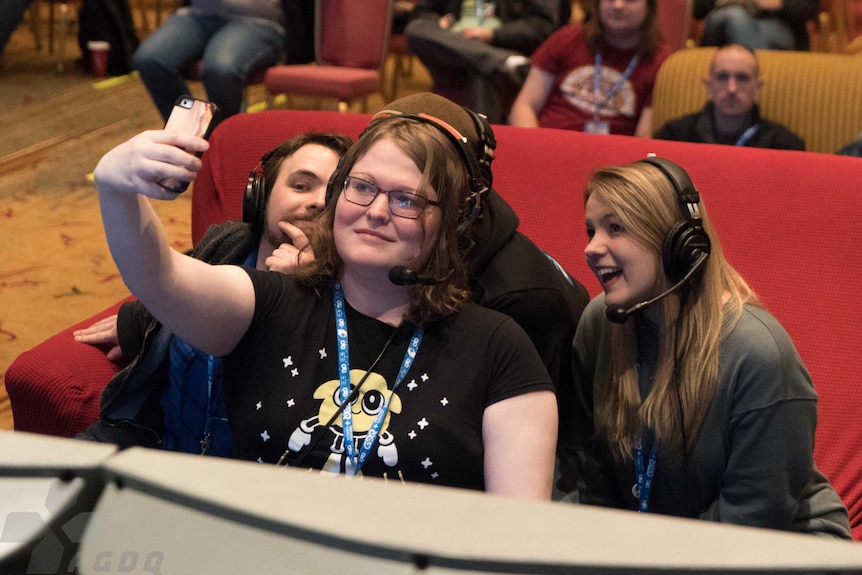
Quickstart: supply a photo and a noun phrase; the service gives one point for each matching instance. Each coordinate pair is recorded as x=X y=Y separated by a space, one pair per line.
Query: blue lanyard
x=644 y=477
x=344 y=384
x=597 y=83
x=746 y=135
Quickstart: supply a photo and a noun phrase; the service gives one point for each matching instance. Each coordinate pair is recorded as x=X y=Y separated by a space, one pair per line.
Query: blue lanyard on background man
x=344 y=384
x=746 y=135
x=597 y=83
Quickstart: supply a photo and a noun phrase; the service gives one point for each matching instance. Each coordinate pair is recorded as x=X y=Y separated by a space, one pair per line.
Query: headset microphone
x=402 y=276
x=621 y=315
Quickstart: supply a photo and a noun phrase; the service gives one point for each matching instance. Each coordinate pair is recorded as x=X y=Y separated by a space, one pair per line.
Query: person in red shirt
x=596 y=78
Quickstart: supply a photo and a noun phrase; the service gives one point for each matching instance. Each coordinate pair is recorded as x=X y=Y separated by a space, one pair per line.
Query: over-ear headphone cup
x=254 y=202
x=683 y=244
x=248 y=198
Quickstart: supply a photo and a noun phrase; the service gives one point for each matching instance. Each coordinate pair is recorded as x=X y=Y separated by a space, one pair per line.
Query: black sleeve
x=439 y=7
x=798 y=12
x=670 y=131
x=529 y=26
x=702 y=8
x=132 y=321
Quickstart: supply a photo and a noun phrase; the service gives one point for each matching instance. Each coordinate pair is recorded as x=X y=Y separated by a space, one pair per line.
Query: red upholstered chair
x=351 y=45
x=847 y=17
x=402 y=65
x=674 y=22
x=55 y=388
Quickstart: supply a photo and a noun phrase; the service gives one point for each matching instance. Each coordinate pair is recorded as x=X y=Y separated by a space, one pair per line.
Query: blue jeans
x=229 y=50
x=734 y=25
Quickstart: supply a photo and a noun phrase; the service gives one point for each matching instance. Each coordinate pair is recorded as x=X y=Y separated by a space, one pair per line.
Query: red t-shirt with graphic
x=571 y=103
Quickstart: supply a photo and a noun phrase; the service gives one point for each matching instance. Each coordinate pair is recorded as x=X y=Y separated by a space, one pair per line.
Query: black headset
x=686 y=241
x=478 y=165
x=256 y=196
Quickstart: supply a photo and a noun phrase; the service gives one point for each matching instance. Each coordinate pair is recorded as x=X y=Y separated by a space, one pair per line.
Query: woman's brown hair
x=442 y=172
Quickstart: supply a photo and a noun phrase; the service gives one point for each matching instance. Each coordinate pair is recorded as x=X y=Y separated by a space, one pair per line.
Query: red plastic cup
x=98 y=57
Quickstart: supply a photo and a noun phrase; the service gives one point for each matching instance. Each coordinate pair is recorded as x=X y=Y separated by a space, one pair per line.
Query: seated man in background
x=170 y=395
x=480 y=48
x=731 y=114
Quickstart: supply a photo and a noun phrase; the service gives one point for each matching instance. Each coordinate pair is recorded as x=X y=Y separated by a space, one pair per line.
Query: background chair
x=846 y=16
x=61 y=23
x=674 y=22
x=351 y=45
x=401 y=56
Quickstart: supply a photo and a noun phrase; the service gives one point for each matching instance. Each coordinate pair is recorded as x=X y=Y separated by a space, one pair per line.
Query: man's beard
x=276 y=239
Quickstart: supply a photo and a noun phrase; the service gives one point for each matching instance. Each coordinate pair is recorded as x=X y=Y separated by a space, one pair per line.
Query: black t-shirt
x=281 y=380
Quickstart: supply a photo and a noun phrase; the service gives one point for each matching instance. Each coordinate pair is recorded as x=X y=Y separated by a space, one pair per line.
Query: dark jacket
x=513 y=276
x=525 y=23
x=130 y=413
x=700 y=127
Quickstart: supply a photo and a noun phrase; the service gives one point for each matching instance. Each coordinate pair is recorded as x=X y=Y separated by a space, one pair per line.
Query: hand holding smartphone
x=189 y=116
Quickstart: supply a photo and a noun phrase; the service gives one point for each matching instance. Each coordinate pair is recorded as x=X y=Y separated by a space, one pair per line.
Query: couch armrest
x=55 y=388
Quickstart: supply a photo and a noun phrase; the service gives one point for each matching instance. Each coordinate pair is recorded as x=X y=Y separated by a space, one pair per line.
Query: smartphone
x=193 y=117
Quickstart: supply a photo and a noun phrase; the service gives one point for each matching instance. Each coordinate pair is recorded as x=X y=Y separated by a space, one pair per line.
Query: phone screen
x=189 y=116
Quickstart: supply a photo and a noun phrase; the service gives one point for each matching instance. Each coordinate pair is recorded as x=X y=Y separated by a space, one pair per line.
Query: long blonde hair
x=645 y=202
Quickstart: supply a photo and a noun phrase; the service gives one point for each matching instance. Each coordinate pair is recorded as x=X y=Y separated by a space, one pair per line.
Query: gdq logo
x=46 y=541
x=128 y=561
x=53 y=543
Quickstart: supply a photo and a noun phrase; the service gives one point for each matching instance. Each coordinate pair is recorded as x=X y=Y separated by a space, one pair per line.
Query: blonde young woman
x=697 y=404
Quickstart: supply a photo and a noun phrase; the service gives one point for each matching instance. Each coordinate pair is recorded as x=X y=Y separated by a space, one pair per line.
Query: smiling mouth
x=606 y=274
x=373 y=235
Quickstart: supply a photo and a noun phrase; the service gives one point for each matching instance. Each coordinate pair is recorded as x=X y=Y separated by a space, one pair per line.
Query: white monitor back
x=170 y=513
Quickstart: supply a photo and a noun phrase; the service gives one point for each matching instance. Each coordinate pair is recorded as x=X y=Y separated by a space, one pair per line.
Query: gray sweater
x=752 y=463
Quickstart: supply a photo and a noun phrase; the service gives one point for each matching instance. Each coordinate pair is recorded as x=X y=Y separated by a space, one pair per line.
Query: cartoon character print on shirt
x=370 y=401
x=578 y=88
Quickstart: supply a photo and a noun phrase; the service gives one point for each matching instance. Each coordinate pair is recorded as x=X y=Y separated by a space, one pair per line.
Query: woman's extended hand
x=139 y=164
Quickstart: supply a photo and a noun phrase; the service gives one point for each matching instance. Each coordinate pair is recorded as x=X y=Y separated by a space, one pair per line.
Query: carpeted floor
x=55 y=269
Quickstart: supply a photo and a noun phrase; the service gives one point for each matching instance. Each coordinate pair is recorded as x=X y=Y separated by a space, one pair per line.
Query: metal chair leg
x=64 y=15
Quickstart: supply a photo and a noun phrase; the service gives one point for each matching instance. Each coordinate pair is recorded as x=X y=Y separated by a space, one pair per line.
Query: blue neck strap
x=354 y=462
x=599 y=100
x=747 y=135
x=644 y=476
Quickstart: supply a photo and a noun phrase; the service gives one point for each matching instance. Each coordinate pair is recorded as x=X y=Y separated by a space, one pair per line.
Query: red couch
x=789 y=221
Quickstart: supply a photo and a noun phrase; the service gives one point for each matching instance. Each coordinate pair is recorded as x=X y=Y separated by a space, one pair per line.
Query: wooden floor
x=56 y=270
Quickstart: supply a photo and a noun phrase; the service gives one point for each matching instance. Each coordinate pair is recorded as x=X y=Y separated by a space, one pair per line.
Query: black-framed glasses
x=402 y=203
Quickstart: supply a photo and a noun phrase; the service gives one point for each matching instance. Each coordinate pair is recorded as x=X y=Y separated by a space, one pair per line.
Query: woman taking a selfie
x=339 y=367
